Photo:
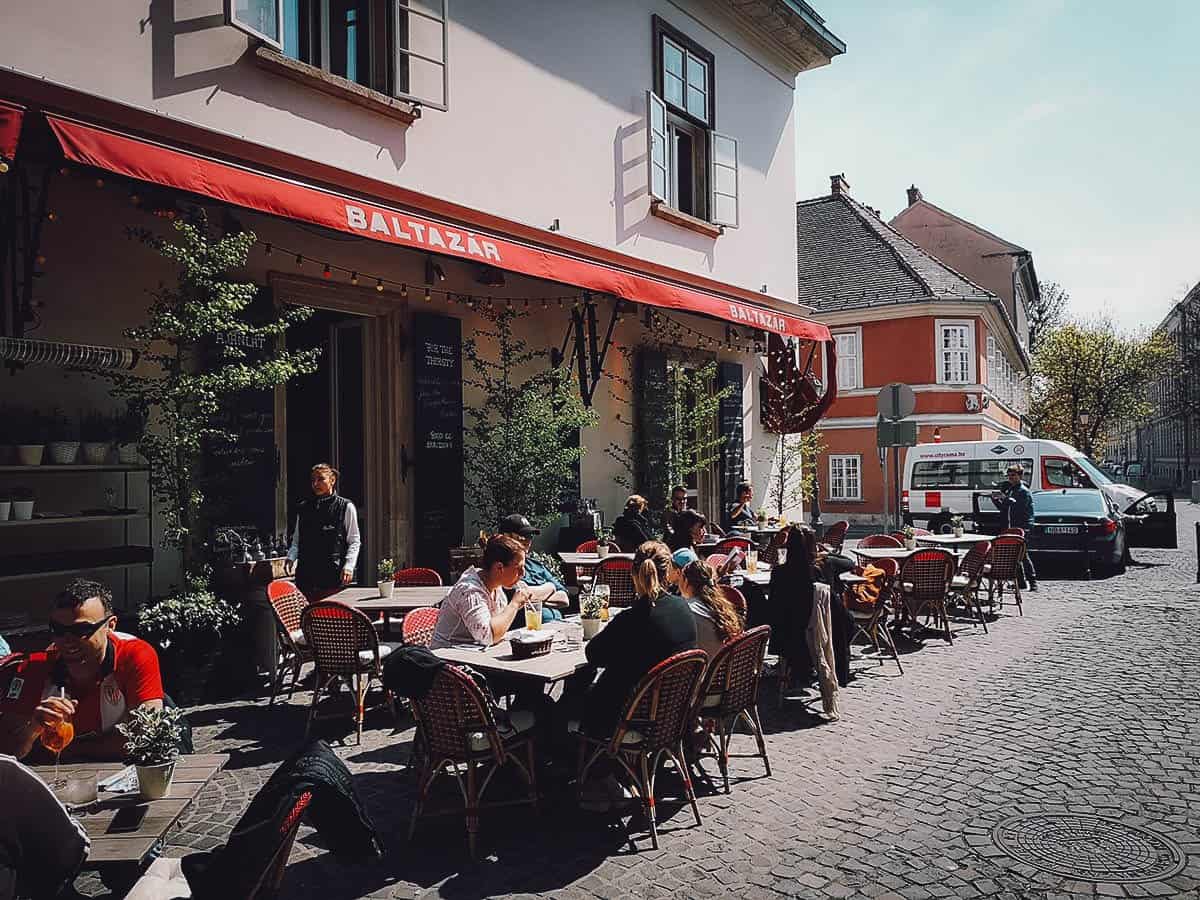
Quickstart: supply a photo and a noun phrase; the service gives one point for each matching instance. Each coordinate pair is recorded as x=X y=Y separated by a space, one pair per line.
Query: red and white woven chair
x=871 y=619
x=736 y=598
x=653 y=725
x=344 y=645
x=969 y=577
x=462 y=738
x=835 y=536
x=733 y=543
x=729 y=693
x=287 y=603
x=716 y=560
x=587 y=547
x=1004 y=569
x=419 y=625
x=418 y=577
x=925 y=579
x=881 y=541
x=618 y=575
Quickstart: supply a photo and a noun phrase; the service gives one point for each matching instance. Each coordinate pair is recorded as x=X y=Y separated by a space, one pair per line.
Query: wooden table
x=149 y=820
x=403 y=600
x=950 y=542
x=590 y=560
x=897 y=553
x=498 y=660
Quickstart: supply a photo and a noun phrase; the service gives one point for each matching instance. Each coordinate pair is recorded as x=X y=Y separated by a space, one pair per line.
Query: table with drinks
x=566 y=656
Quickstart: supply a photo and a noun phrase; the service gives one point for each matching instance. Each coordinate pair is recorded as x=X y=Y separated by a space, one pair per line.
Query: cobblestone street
x=1085 y=706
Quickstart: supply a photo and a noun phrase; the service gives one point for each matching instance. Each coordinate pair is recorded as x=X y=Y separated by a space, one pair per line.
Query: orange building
x=899 y=314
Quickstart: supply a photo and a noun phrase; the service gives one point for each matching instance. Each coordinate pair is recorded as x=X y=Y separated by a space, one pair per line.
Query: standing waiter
x=325 y=541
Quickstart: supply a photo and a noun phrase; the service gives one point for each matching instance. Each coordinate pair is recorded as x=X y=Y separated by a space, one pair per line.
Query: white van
x=940 y=479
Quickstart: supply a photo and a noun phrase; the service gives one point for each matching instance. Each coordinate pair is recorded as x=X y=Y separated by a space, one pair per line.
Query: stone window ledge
x=336 y=86
x=661 y=210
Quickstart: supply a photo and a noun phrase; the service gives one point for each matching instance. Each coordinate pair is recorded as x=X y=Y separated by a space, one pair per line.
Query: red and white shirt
x=128 y=677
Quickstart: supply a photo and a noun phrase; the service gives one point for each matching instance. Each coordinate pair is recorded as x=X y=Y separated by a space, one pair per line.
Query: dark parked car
x=1081 y=523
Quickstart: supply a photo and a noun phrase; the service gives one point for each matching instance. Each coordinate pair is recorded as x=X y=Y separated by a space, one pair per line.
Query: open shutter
x=659 y=158
x=652 y=439
x=724 y=180
x=729 y=426
x=262 y=19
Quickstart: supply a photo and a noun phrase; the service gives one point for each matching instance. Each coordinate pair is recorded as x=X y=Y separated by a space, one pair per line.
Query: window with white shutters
x=845 y=477
x=849 y=360
x=954 y=353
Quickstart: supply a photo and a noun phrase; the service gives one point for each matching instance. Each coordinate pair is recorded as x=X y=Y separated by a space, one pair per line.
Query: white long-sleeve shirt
x=353 y=539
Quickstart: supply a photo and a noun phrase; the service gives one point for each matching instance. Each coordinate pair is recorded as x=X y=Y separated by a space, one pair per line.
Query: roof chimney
x=838 y=185
x=914 y=194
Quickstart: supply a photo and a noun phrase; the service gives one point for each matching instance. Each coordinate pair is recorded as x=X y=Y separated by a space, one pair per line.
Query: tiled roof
x=848 y=256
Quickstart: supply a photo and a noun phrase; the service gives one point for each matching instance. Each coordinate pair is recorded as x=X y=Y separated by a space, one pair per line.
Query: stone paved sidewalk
x=1086 y=705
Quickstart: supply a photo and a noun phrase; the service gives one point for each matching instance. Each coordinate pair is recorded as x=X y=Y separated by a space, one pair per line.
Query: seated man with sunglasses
x=103 y=674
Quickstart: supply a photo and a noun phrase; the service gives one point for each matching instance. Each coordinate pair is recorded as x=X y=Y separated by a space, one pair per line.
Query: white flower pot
x=30 y=454
x=64 y=453
x=958 y=532
x=155 y=781
x=910 y=543
x=95 y=453
x=386 y=588
x=602 y=549
x=22 y=510
x=591 y=628
x=127 y=454
x=5 y=510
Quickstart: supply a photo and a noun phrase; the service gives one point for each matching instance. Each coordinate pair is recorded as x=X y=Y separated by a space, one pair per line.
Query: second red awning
x=11 y=117
x=281 y=196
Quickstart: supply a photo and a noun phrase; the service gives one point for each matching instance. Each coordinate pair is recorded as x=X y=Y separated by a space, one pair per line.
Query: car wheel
x=940 y=525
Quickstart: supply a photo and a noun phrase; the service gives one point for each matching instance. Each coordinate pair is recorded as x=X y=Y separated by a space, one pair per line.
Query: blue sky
x=1070 y=127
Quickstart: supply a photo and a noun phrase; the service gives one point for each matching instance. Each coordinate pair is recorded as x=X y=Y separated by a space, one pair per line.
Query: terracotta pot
x=30 y=454
x=155 y=781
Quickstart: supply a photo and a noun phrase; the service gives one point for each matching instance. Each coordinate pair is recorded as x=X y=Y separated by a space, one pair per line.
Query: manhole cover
x=1089 y=848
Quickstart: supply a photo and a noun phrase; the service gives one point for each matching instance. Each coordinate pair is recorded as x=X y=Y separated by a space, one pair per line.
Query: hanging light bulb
x=379 y=285
x=99 y=182
x=299 y=260
x=354 y=278
x=428 y=297
x=268 y=249
x=327 y=272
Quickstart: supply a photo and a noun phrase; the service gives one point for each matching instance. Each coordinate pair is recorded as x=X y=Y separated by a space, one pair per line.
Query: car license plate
x=1061 y=529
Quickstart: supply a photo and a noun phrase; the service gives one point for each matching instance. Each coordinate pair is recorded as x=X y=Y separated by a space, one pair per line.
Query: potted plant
x=762 y=517
x=387 y=577
x=152 y=739
x=910 y=537
x=22 y=504
x=187 y=627
x=97 y=433
x=30 y=429
x=5 y=504
x=603 y=537
x=129 y=426
x=591 y=607
x=956 y=522
x=64 y=438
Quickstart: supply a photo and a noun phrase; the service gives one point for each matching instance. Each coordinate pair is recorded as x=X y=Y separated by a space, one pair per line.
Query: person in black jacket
x=326 y=540
x=632 y=528
x=1015 y=503
x=41 y=846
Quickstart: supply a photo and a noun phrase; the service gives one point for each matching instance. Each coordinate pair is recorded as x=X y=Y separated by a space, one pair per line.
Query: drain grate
x=1089 y=848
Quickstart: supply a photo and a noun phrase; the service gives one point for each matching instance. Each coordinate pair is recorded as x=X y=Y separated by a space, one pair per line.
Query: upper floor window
x=849 y=359
x=955 y=352
x=845 y=477
x=395 y=47
x=692 y=167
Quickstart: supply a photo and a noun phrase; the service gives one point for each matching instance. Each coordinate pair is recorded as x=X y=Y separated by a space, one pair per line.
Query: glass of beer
x=533 y=614
x=751 y=561
x=602 y=592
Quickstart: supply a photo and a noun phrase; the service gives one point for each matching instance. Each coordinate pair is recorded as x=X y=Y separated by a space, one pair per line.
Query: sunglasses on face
x=80 y=630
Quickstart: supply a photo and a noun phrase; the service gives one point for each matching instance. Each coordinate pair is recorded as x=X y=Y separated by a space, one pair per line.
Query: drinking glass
x=573 y=632
x=56 y=738
x=80 y=789
x=751 y=561
x=602 y=593
x=533 y=614
x=781 y=558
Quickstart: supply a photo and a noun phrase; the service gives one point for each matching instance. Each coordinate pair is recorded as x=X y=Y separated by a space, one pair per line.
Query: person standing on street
x=325 y=540
x=1015 y=503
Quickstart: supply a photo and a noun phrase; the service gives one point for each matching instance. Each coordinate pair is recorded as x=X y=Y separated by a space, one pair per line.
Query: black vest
x=322 y=541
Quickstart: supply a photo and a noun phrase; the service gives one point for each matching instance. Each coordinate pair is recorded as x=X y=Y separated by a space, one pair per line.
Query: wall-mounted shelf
x=67 y=520
x=60 y=562
x=51 y=468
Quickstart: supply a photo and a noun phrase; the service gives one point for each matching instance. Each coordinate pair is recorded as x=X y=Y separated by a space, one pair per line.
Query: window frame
x=940 y=326
x=276 y=42
x=856 y=332
x=397 y=52
x=662 y=30
x=843 y=458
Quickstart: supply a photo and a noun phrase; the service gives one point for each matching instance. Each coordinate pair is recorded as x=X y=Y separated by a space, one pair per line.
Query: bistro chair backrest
x=1007 y=552
x=660 y=707
x=587 y=547
x=418 y=577
x=288 y=603
x=920 y=531
x=835 y=535
x=418 y=626
x=716 y=560
x=1019 y=532
x=618 y=575
x=929 y=572
x=733 y=674
x=972 y=564
x=336 y=634
x=771 y=554
x=733 y=543
x=451 y=716
x=735 y=597
x=882 y=541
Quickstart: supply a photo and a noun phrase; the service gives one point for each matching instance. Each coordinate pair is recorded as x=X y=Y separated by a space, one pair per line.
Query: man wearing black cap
x=538 y=578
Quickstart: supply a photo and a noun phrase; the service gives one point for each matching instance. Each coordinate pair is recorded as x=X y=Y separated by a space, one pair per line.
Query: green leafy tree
x=1091 y=369
x=522 y=440
x=194 y=359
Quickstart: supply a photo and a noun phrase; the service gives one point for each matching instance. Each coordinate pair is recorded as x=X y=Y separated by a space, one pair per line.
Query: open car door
x=1150 y=521
x=984 y=513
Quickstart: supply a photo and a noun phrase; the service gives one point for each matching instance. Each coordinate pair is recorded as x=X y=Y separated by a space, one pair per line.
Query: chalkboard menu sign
x=729 y=426
x=438 y=432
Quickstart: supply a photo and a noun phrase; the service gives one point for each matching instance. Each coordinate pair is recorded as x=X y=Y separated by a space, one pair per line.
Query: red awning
x=10 y=128
x=281 y=196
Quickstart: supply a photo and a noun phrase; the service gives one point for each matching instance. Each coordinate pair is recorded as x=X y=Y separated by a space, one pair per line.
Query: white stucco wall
x=546 y=118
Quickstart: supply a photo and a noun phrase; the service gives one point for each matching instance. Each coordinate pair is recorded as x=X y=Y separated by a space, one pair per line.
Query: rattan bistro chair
x=418 y=577
x=654 y=724
x=462 y=738
x=882 y=541
x=736 y=598
x=1008 y=550
x=925 y=578
x=871 y=619
x=287 y=603
x=734 y=543
x=970 y=574
x=835 y=536
x=419 y=625
x=729 y=694
x=587 y=547
x=618 y=575
x=344 y=645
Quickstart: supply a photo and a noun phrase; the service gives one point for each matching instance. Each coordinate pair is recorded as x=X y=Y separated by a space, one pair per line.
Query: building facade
x=620 y=170
x=897 y=314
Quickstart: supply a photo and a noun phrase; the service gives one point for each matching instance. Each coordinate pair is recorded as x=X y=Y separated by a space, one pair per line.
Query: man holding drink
x=73 y=695
x=476 y=609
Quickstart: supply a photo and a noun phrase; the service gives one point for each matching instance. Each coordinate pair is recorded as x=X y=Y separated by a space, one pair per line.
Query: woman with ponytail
x=716 y=619
x=657 y=626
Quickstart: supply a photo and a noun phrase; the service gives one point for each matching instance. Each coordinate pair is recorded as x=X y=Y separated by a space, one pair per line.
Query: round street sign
x=896 y=401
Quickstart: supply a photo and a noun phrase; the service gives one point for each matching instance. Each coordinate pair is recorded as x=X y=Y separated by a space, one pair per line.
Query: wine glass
x=56 y=737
